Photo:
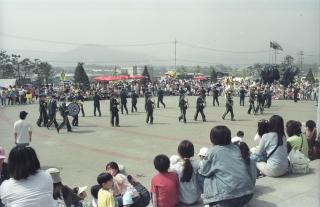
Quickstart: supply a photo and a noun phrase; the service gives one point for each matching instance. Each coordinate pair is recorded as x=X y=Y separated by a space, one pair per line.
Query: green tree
x=43 y=71
x=288 y=71
x=6 y=67
x=197 y=69
x=213 y=74
x=269 y=74
x=81 y=77
x=310 y=76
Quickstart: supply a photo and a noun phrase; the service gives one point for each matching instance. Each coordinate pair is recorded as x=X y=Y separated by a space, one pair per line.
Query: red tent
x=136 y=77
x=199 y=78
x=118 y=77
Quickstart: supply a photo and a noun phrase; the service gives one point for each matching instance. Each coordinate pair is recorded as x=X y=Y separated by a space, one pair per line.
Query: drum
x=74 y=109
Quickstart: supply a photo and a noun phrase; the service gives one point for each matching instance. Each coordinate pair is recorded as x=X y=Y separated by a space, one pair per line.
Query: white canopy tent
x=5 y=83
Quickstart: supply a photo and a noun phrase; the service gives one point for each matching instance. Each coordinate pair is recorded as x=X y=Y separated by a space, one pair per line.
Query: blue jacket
x=226 y=174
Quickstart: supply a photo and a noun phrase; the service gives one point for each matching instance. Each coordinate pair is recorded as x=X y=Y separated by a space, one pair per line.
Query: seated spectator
x=295 y=139
x=164 y=185
x=105 y=197
x=4 y=171
x=251 y=163
x=203 y=153
x=28 y=186
x=62 y=194
x=311 y=132
x=226 y=182
x=274 y=145
x=81 y=192
x=187 y=170
x=238 y=138
x=94 y=193
x=127 y=194
x=263 y=128
x=174 y=159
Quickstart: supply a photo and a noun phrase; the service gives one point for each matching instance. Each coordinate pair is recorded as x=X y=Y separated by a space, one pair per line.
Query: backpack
x=143 y=192
x=298 y=162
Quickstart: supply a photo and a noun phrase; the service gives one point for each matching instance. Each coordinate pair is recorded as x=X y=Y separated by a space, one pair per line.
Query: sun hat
x=81 y=190
x=55 y=175
x=2 y=153
x=203 y=151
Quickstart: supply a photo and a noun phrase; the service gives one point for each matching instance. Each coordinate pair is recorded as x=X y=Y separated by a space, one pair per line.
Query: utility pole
x=300 y=53
x=175 y=54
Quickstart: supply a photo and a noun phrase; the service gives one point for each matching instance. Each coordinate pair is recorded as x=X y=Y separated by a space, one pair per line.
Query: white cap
x=81 y=190
x=203 y=151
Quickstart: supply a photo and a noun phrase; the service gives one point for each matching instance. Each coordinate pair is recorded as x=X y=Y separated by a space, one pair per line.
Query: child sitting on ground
x=94 y=193
x=164 y=185
x=105 y=197
x=238 y=138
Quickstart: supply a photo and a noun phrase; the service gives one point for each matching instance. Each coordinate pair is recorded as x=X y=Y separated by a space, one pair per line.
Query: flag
x=275 y=45
x=62 y=76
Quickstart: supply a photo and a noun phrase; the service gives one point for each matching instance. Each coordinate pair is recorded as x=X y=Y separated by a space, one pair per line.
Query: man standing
x=43 y=117
x=149 y=108
x=64 y=113
x=252 y=96
x=215 y=94
x=160 y=98
x=123 y=97
x=114 y=111
x=242 y=94
x=22 y=130
x=229 y=106
x=183 y=105
x=96 y=103
x=52 y=108
x=260 y=101
x=80 y=100
x=200 y=107
x=134 y=100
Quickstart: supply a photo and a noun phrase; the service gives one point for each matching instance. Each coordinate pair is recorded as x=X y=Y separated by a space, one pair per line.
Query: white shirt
x=236 y=139
x=22 y=128
x=35 y=191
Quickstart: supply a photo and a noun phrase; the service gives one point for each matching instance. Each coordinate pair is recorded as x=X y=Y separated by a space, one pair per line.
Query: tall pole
x=318 y=96
x=275 y=56
x=175 y=55
x=300 y=53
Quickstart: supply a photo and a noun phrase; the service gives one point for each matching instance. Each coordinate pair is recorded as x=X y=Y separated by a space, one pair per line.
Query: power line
x=81 y=44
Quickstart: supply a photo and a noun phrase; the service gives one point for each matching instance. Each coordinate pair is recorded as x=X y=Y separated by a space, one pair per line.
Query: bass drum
x=73 y=108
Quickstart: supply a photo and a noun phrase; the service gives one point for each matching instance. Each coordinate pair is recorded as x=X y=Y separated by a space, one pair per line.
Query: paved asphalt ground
x=82 y=154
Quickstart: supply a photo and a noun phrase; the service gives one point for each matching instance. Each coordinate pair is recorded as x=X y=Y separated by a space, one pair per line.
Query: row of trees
x=13 y=66
x=286 y=72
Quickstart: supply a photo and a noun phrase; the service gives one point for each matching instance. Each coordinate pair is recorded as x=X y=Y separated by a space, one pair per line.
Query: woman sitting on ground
x=274 y=145
x=227 y=181
x=62 y=194
x=29 y=186
x=295 y=139
x=187 y=170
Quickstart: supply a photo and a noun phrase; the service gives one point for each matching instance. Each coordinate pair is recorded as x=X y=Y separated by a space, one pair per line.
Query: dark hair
x=161 y=163
x=94 y=191
x=186 y=150
x=240 y=134
x=75 y=190
x=276 y=125
x=57 y=191
x=263 y=127
x=220 y=135
x=310 y=124
x=113 y=165
x=293 y=128
x=23 y=116
x=23 y=162
x=104 y=177
x=245 y=152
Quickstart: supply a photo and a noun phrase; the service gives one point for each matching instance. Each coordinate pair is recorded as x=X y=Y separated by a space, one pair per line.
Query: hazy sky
x=236 y=25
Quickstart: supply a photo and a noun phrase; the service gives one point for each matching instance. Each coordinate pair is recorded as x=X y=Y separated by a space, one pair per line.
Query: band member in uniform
x=229 y=106
x=114 y=111
x=96 y=103
x=200 y=106
x=43 y=117
x=260 y=101
x=183 y=105
x=134 y=100
x=80 y=100
x=252 y=97
x=268 y=97
x=52 y=109
x=242 y=94
x=147 y=94
x=150 y=106
x=215 y=94
x=64 y=113
x=160 y=98
x=123 y=97
x=203 y=92
x=296 y=90
x=75 y=120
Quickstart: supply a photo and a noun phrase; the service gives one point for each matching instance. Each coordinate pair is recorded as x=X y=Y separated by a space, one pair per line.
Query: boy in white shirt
x=22 y=130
